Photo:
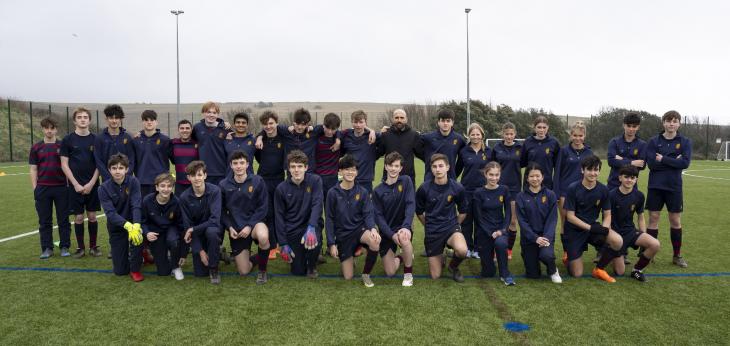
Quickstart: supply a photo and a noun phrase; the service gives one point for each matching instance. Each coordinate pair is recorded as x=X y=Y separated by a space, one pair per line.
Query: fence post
x=707 y=140
x=50 y=112
x=168 y=123
x=68 y=124
x=31 y=122
x=97 y=121
x=192 y=116
x=10 y=131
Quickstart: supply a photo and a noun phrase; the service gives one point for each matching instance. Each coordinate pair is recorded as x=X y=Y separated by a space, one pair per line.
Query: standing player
x=183 y=150
x=327 y=160
x=162 y=226
x=625 y=202
x=113 y=140
x=507 y=154
x=537 y=212
x=271 y=168
x=394 y=202
x=472 y=159
x=584 y=200
x=79 y=166
x=201 y=210
x=120 y=198
x=436 y=204
x=356 y=142
x=245 y=203
x=667 y=154
x=542 y=149
x=49 y=189
x=210 y=134
x=401 y=138
x=152 y=149
x=444 y=141
x=298 y=206
x=351 y=222
x=626 y=149
x=240 y=139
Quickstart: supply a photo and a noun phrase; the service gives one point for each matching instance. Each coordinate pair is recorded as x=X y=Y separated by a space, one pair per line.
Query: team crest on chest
x=400 y=188
x=307 y=135
x=677 y=146
x=456 y=141
x=58 y=151
x=501 y=199
x=157 y=142
x=517 y=152
x=171 y=216
x=544 y=199
x=249 y=143
x=449 y=198
x=91 y=148
x=195 y=146
x=484 y=157
x=309 y=189
x=220 y=135
x=547 y=151
x=633 y=207
x=598 y=202
x=357 y=196
x=126 y=191
x=124 y=141
x=636 y=151
x=250 y=189
x=278 y=145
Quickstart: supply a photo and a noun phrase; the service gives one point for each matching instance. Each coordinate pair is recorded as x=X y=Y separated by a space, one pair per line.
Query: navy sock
x=370 y=260
x=93 y=232
x=676 y=236
x=79 y=231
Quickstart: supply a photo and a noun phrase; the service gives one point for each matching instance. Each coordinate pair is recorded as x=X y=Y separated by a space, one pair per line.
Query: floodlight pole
x=177 y=14
x=468 y=98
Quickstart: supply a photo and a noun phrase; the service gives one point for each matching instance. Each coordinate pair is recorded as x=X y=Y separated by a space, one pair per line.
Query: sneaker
x=47 y=253
x=79 y=253
x=602 y=275
x=638 y=275
x=679 y=261
x=555 y=277
x=312 y=273
x=367 y=281
x=626 y=260
x=136 y=276
x=262 y=278
x=64 y=252
x=475 y=255
x=456 y=274
x=215 y=277
x=509 y=254
x=178 y=273
x=468 y=254
x=273 y=253
x=508 y=281
x=95 y=252
x=407 y=280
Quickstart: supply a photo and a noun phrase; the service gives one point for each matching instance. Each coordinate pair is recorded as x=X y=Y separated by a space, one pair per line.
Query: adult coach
x=401 y=138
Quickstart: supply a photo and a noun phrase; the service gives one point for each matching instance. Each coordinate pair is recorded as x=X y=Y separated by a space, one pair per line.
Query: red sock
x=407 y=269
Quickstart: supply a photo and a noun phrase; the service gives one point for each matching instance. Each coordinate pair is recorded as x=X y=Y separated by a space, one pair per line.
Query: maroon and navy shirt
x=327 y=160
x=47 y=157
x=181 y=154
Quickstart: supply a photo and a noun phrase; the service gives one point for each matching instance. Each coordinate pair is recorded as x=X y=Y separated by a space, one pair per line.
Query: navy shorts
x=630 y=239
x=576 y=242
x=435 y=243
x=78 y=203
x=240 y=244
x=346 y=246
x=388 y=244
x=656 y=199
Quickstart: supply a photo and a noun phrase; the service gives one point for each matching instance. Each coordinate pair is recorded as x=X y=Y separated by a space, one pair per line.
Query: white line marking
x=36 y=231
x=1 y=167
x=705 y=170
x=7 y=175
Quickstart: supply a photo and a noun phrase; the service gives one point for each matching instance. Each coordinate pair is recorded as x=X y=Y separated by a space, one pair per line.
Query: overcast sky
x=566 y=56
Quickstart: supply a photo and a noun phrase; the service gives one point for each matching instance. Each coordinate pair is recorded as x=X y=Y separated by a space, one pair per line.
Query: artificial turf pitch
x=78 y=301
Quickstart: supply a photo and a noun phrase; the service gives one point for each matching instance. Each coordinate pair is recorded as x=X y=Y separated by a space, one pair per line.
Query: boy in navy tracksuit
x=270 y=157
x=436 y=205
x=356 y=142
x=298 y=206
x=201 y=211
x=625 y=202
x=79 y=166
x=444 y=141
x=542 y=149
x=626 y=149
x=114 y=139
x=240 y=140
x=245 y=204
x=537 y=213
x=667 y=154
x=210 y=134
x=492 y=215
x=351 y=222
x=507 y=153
x=394 y=202
x=153 y=150
x=162 y=226
x=471 y=161
x=49 y=189
x=183 y=150
x=584 y=200
x=120 y=198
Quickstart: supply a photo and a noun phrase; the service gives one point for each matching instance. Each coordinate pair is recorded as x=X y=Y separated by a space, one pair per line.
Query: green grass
x=41 y=307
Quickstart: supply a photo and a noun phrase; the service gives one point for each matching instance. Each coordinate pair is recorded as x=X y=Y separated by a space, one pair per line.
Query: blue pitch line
x=327 y=276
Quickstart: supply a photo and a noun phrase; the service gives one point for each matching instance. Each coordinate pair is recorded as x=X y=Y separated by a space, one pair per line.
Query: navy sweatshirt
x=567 y=169
x=509 y=158
x=121 y=202
x=623 y=208
x=449 y=145
x=364 y=153
x=271 y=157
x=394 y=206
x=244 y=204
x=471 y=163
x=106 y=145
x=152 y=156
x=545 y=153
x=305 y=141
x=537 y=214
x=297 y=206
x=80 y=153
x=629 y=151
x=247 y=145
x=348 y=212
x=677 y=153
x=587 y=204
x=202 y=212
x=492 y=210
x=439 y=204
x=158 y=217
x=211 y=146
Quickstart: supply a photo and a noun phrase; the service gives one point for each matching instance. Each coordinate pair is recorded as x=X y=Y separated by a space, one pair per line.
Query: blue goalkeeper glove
x=309 y=239
x=287 y=254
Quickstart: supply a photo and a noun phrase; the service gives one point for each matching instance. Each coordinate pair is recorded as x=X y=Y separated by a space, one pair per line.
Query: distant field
x=71 y=301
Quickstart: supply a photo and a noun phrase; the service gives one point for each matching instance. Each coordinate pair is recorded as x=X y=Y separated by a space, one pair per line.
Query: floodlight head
x=467 y=10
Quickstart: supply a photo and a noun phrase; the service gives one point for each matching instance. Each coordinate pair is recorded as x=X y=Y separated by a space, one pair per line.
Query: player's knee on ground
x=576 y=268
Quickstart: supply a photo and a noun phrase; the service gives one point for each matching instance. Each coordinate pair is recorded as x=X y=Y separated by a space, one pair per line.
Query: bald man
x=403 y=139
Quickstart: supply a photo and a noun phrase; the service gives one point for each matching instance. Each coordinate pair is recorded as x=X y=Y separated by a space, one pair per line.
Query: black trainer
x=456 y=274
x=215 y=277
x=638 y=275
x=262 y=278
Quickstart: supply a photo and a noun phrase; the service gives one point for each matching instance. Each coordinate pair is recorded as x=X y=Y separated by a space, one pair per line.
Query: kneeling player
x=297 y=207
x=201 y=209
x=436 y=203
x=584 y=200
x=120 y=198
x=537 y=214
x=625 y=201
x=162 y=226
x=245 y=204
x=351 y=222
x=394 y=202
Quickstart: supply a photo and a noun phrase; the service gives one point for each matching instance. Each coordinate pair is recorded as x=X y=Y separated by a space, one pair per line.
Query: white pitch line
x=705 y=170
x=7 y=175
x=36 y=231
x=1 y=167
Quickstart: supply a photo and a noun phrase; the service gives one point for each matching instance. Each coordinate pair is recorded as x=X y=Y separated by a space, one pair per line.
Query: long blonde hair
x=476 y=126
